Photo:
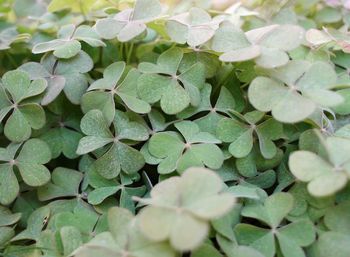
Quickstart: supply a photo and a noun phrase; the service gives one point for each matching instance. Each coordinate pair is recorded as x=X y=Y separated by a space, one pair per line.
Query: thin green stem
x=128 y=57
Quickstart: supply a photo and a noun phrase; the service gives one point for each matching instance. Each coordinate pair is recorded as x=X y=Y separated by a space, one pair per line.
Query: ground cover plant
x=139 y=128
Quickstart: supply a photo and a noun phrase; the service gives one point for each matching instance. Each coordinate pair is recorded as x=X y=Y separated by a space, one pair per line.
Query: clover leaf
x=296 y=91
x=333 y=243
x=67 y=45
x=15 y=98
x=7 y=219
x=162 y=82
x=193 y=148
x=291 y=237
x=234 y=44
x=224 y=103
x=266 y=45
x=62 y=75
x=257 y=170
x=119 y=155
x=123 y=239
x=232 y=249
x=104 y=188
x=60 y=187
x=29 y=161
x=240 y=135
x=182 y=207
x=337 y=220
x=82 y=217
x=324 y=176
x=102 y=92
x=129 y=23
x=61 y=243
x=194 y=27
x=62 y=131
x=36 y=223
x=247 y=177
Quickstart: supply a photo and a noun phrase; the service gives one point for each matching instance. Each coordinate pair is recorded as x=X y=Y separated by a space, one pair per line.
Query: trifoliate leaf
x=129 y=23
x=29 y=161
x=196 y=148
x=324 y=177
x=184 y=223
x=60 y=187
x=303 y=94
x=119 y=156
x=175 y=92
x=194 y=28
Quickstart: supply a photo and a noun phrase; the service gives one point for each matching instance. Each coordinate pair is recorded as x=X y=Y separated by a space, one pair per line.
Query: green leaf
x=36 y=222
x=100 y=194
x=286 y=106
x=185 y=224
x=71 y=239
x=60 y=187
x=9 y=187
x=333 y=243
x=336 y=218
x=258 y=238
x=7 y=218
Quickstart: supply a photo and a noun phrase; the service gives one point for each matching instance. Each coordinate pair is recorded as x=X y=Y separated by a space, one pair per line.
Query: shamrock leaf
x=162 y=82
x=67 y=45
x=119 y=155
x=183 y=206
x=250 y=165
x=61 y=243
x=291 y=237
x=158 y=123
x=123 y=239
x=193 y=148
x=29 y=160
x=60 y=74
x=61 y=132
x=307 y=87
x=240 y=135
x=333 y=243
x=6 y=233
x=234 y=44
x=7 y=218
x=324 y=176
x=337 y=217
x=232 y=249
x=210 y=62
x=129 y=23
x=104 y=188
x=15 y=98
x=247 y=176
x=194 y=27
x=206 y=250
x=214 y=113
x=102 y=92
x=36 y=223
x=337 y=220
x=60 y=187
x=82 y=217
x=266 y=45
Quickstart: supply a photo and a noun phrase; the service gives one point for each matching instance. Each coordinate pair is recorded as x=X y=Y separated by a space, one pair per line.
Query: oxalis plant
x=149 y=128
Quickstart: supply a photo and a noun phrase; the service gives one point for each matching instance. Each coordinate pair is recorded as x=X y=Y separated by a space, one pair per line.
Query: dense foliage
x=167 y=129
